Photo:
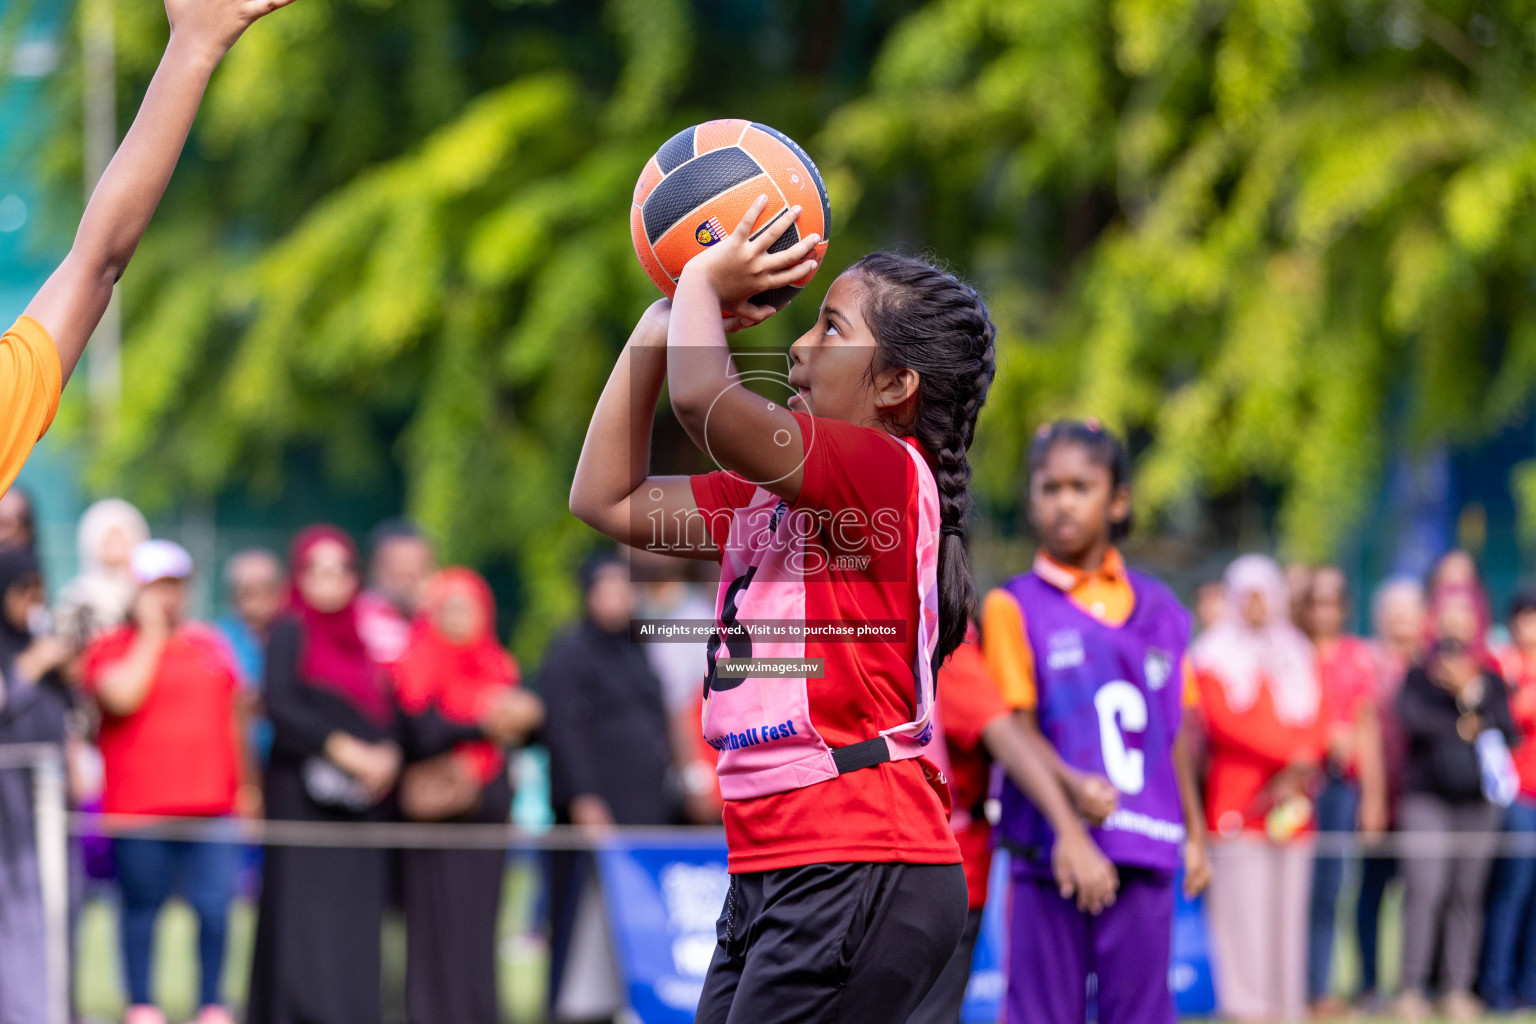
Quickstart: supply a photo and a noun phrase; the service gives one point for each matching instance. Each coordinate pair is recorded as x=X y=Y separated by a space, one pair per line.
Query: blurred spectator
x=1457 y=568
x=34 y=703
x=609 y=755
x=1354 y=790
x=457 y=690
x=253 y=580
x=334 y=759
x=1509 y=942
x=1398 y=616
x=1455 y=714
x=1298 y=580
x=93 y=602
x=1400 y=619
x=18 y=525
x=171 y=743
x=99 y=597
x=1263 y=710
x=398 y=570
x=669 y=595
x=1210 y=604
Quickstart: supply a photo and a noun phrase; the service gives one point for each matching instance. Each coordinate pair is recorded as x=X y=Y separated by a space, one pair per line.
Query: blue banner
x=1190 y=976
x=989 y=966
x=662 y=907
x=663 y=904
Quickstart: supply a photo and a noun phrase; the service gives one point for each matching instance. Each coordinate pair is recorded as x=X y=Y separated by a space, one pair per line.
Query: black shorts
x=945 y=1000
x=833 y=942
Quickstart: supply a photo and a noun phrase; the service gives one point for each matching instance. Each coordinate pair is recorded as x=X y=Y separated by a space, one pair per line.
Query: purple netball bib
x=1110 y=702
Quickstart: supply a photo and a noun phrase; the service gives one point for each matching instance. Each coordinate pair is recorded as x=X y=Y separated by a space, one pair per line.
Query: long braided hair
x=927 y=320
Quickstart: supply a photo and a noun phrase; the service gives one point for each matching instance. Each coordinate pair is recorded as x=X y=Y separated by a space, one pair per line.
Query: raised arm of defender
x=38 y=355
x=74 y=298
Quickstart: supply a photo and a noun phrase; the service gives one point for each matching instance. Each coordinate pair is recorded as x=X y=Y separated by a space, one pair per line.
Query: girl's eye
x=831 y=327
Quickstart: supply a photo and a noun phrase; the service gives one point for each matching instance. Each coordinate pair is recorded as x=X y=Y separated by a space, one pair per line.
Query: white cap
x=160 y=560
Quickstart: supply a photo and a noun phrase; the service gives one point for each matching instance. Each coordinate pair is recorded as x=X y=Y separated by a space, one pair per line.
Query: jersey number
x=1122 y=709
x=738 y=643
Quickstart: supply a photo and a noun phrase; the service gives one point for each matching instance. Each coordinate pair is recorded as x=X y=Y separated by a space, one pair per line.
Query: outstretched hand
x=740 y=265
x=214 y=25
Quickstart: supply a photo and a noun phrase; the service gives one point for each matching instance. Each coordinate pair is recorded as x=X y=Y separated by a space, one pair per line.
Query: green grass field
x=101 y=996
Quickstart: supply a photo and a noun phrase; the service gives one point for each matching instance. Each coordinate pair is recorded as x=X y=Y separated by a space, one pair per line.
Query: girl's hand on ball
x=740 y=266
x=750 y=316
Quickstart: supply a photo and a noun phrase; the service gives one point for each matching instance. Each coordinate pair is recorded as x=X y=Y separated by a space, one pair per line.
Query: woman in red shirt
x=1263 y=709
x=1355 y=792
x=171 y=744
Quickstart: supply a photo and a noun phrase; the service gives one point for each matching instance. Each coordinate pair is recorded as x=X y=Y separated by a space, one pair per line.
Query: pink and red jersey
x=843 y=576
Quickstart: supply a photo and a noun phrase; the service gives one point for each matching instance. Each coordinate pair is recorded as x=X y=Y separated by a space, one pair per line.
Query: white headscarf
x=1245 y=658
x=99 y=598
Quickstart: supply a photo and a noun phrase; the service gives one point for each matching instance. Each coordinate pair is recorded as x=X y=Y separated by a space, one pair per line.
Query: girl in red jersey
x=839 y=524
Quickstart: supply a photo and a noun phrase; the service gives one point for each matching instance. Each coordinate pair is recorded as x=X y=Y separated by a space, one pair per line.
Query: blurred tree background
x=1272 y=240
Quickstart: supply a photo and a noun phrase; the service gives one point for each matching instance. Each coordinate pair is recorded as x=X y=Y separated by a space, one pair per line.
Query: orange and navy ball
x=698 y=187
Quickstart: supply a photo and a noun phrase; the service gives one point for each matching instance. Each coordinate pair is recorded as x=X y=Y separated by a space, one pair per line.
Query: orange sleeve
x=1191 y=685
x=30 y=382
x=1007 y=651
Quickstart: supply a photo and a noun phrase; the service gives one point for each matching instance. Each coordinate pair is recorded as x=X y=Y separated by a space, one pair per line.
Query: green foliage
x=1263 y=236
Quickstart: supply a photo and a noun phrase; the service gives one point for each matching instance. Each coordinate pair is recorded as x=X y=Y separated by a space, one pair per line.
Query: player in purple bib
x=1092 y=656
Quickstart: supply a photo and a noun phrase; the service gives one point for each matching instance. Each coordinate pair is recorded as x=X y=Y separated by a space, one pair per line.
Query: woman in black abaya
x=334 y=759
x=606 y=728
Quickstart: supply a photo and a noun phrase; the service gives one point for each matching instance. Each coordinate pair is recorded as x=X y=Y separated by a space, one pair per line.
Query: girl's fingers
x=743 y=230
x=775 y=229
x=747 y=315
x=794 y=254
x=790 y=276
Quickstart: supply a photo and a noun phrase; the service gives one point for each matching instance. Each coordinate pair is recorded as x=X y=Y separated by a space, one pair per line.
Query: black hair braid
x=926 y=319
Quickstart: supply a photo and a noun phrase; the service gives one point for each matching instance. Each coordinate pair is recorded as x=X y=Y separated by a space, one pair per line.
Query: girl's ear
x=894 y=388
x=1120 y=506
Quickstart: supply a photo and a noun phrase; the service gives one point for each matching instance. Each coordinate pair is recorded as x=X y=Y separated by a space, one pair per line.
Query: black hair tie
x=951 y=531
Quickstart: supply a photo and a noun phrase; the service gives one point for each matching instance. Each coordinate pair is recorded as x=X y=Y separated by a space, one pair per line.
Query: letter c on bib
x=1122 y=709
